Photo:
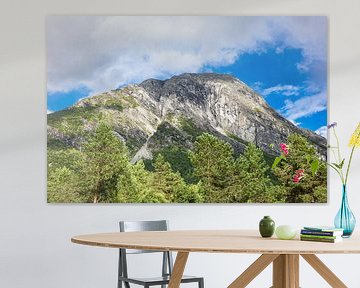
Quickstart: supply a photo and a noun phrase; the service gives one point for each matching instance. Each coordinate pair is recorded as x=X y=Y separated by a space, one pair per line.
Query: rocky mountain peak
x=156 y=114
x=201 y=90
x=223 y=103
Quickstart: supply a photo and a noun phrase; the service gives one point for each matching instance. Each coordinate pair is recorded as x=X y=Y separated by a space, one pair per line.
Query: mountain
x=159 y=114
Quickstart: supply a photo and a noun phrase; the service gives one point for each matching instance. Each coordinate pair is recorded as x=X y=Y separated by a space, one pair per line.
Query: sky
x=284 y=59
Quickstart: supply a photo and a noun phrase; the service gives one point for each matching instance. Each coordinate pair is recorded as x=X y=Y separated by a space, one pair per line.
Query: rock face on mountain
x=157 y=114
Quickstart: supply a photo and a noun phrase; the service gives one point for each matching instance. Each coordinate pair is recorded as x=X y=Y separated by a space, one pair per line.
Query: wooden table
x=284 y=254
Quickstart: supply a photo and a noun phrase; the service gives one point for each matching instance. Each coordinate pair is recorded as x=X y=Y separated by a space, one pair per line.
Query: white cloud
x=257 y=86
x=312 y=87
x=279 y=49
x=295 y=123
x=303 y=66
x=49 y=111
x=307 y=33
x=286 y=90
x=322 y=131
x=102 y=53
x=305 y=106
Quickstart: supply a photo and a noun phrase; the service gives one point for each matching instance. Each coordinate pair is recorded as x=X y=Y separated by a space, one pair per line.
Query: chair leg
x=201 y=283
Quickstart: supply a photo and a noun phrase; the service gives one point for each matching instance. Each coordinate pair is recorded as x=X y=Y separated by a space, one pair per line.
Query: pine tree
x=65 y=182
x=213 y=163
x=134 y=185
x=63 y=187
x=188 y=193
x=165 y=180
x=106 y=159
x=251 y=182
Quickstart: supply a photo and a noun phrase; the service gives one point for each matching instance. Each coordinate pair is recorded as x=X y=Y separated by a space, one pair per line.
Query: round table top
x=217 y=241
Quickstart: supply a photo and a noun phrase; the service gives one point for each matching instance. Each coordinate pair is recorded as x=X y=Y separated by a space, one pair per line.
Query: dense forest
x=100 y=171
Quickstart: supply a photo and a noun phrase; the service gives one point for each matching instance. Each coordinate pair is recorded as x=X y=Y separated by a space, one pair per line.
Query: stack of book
x=321 y=234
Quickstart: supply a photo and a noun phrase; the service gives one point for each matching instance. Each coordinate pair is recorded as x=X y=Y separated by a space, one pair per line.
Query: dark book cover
x=321 y=233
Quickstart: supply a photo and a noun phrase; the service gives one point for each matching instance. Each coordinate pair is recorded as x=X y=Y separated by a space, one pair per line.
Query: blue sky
x=282 y=58
x=275 y=76
x=61 y=100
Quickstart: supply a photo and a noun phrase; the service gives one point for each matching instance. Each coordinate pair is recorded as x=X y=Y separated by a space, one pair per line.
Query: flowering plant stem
x=338 y=166
x=348 y=167
x=340 y=163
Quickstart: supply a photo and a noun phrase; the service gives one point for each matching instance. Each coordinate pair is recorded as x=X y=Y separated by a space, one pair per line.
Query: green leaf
x=342 y=163
x=314 y=166
x=308 y=159
x=272 y=145
x=336 y=165
x=332 y=166
x=339 y=166
x=277 y=161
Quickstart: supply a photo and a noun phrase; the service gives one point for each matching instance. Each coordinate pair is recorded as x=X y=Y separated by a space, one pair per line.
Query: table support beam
x=253 y=270
x=286 y=271
x=178 y=270
x=324 y=271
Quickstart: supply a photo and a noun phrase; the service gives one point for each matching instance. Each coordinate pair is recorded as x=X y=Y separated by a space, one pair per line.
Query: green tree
x=213 y=164
x=135 y=186
x=106 y=159
x=63 y=187
x=65 y=181
x=71 y=158
x=251 y=182
x=162 y=185
x=164 y=179
x=178 y=157
x=311 y=188
x=188 y=193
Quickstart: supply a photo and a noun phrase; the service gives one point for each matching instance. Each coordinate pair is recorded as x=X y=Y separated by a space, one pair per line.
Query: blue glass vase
x=345 y=219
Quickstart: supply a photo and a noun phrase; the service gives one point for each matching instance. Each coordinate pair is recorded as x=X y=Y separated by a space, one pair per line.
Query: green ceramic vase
x=266 y=227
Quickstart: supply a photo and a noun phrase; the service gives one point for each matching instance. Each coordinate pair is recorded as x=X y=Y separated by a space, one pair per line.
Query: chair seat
x=158 y=280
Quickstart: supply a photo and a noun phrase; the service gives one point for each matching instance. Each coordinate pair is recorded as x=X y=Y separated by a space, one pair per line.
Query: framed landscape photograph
x=186 y=109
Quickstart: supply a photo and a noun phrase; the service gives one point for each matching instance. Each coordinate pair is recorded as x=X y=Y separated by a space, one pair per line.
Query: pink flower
x=284 y=149
x=299 y=174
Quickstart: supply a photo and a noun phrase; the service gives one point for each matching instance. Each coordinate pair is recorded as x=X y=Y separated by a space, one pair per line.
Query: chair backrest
x=134 y=226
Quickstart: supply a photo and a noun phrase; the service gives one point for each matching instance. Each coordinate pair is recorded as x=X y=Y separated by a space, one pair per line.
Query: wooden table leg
x=253 y=270
x=293 y=262
x=324 y=271
x=178 y=269
x=279 y=269
x=286 y=271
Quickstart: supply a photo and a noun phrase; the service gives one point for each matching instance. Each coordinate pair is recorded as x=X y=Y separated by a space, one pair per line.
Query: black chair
x=167 y=265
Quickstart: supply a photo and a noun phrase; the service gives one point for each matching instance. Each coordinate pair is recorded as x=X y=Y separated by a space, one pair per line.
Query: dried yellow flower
x=355 y=138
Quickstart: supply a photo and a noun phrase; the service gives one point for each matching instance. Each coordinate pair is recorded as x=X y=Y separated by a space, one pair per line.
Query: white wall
x=35 y=248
